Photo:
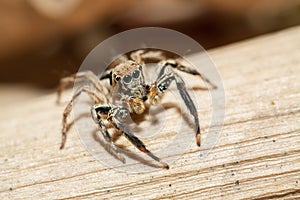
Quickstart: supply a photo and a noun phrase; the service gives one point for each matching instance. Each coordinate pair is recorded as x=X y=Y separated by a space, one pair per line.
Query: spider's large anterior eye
x=136 y=74
x=127 y=79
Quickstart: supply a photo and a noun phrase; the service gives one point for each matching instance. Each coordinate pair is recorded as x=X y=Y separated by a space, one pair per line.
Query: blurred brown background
x=44 y=40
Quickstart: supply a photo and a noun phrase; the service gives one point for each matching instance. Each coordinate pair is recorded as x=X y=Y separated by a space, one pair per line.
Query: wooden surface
x=257 y=155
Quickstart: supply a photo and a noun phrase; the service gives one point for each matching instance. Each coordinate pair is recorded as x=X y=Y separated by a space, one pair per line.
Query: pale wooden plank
x=257 y=156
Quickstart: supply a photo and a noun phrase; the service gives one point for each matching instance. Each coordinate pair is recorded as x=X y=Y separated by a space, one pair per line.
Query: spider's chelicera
x=127 y=78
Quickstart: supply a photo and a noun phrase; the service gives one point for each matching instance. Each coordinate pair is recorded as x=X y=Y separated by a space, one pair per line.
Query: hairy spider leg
x=163 y=83
x=97 y=111
x=80 y=76
x=179 y=66
x=117 y=116
x=141 y=56
x=68 y=109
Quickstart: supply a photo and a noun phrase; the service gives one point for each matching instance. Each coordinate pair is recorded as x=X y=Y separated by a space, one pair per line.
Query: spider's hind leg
x=69 y=107
x=141 y=56
x=88 y=76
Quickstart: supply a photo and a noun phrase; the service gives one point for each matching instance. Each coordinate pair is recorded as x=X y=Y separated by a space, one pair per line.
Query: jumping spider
x=128 y=79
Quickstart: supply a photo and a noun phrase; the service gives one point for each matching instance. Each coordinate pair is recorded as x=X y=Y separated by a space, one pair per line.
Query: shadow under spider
x=124 y=152
x=138 y=118
x=200 y=88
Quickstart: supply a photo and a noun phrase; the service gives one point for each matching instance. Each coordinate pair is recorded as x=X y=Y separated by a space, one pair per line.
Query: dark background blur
x=44 y=40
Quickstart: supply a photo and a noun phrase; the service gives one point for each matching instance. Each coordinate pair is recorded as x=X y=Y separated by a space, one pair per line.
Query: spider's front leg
x=157 y=89
x=117 y=116
x=179 y=65
x=99 y=112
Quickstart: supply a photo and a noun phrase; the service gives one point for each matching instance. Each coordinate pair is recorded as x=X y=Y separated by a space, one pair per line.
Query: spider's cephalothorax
x=127 y=79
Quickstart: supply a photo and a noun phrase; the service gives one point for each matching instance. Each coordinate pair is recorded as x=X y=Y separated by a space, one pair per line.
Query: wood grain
x=257 y=155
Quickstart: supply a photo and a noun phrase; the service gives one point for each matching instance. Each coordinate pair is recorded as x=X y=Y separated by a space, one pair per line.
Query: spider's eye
x=118 y=78
x=136 y=74
x=141 y=67
x=127 y=79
